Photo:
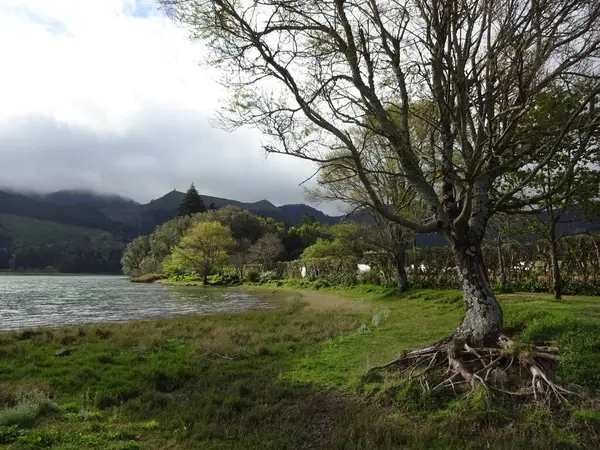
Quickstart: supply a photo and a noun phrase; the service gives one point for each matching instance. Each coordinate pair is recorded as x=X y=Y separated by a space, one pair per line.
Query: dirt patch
x=314 y=299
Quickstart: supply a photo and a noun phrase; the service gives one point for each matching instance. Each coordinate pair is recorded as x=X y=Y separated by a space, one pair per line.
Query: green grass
x=286 y=379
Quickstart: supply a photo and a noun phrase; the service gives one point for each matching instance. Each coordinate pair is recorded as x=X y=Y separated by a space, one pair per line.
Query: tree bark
x=501 y=268
x=556 y=276
x=483 y=320
x=401 y=277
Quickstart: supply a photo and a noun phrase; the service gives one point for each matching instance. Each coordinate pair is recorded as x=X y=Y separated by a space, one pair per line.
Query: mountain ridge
x=127 y=217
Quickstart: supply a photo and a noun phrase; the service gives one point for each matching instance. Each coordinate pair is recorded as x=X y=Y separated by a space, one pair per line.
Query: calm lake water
x=32 y=301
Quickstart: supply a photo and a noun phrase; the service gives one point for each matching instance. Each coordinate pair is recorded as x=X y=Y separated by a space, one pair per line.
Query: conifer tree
x=191 y=203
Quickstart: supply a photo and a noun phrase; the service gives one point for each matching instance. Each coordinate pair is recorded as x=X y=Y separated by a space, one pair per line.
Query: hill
x=144 y=218
x=33 y=244
x=82 y=215
x=86 y=197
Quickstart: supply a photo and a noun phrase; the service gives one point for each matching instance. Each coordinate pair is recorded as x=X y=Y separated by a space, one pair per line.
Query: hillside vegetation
x=32 y=244
x=287 y=379
x=38 y=225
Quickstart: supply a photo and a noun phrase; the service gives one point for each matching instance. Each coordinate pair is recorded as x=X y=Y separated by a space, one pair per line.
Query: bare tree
x=307 y=73
x=266 y=250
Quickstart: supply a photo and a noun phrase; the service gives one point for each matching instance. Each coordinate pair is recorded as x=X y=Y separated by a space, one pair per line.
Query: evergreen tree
x=212 y=207
x=192 y=203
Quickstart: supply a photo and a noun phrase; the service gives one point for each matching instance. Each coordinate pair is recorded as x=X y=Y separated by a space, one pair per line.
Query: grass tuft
x=27 y=409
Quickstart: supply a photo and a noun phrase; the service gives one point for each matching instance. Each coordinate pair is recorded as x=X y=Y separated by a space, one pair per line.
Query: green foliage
x=203 y=248
x=164 y=239
x=224 y=280
x=148 y=278
x=191 y=203
x=28 y=408
x=341 y=240
x=134 y=255
x=321 y=249
x=299 y=237
x=268 y=277
x=32 y=244
x=242 y=223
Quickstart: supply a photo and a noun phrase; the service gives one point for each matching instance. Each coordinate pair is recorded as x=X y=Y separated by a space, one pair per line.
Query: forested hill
x=83 y=231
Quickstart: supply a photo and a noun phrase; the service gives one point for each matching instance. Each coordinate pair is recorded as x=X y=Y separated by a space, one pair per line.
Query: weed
x=27 y=409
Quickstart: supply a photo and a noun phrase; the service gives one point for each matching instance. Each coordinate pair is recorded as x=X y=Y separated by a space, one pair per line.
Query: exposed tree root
x=520 y=370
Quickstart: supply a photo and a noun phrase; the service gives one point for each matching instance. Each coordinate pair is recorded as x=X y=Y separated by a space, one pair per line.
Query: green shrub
x=27 y=409
x=268 y=277
x=588 y=418
x=253 y=276
x=148 y=278
x=8 y=434
x=320 y=283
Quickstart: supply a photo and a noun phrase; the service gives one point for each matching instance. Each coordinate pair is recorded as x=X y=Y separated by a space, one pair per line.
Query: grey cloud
x=160 y=151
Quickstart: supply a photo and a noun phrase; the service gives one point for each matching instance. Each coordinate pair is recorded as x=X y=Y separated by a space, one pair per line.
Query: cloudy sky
x=110 y=95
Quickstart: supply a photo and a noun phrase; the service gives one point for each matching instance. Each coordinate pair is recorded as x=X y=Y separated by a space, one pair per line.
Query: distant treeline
x=75 y=257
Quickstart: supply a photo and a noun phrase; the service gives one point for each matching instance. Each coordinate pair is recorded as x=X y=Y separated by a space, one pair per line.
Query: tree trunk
x=556 y=277
x=501 y=268
x=483 y=320
x=597 y=264
x=401 y=277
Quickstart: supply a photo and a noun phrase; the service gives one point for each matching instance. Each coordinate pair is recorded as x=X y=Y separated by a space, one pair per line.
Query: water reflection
x=32 y=301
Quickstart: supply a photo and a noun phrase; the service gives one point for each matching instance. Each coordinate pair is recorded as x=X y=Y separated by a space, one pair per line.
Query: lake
x=33 y=301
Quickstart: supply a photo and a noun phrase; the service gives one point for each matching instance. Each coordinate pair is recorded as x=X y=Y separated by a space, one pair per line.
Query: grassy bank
x=286 y=379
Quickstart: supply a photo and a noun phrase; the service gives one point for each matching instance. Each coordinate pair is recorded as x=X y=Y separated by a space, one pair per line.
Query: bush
x=253 y=276
x=224 y=280
x=269 y=276
x=320 y=283
x=370 y=277
x=27 y=409
x=148 y=278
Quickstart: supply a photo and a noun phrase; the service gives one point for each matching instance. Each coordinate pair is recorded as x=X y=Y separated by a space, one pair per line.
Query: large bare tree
x=308 y=73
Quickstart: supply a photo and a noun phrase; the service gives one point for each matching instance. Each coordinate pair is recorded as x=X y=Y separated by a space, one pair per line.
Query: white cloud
x=111 y=95
x=92 y=62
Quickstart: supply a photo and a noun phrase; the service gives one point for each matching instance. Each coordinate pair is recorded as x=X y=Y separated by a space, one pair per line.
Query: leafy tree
x=299 y=237
x=162 y=241
x=191 y=203
x=270 y=225
x=569 y=182
x=242 y=223
x=266 y=250
x=323 y=248
x=134 y=255
x=203 y=248
x=310 y=72
x=347 y=239
x=245 y=228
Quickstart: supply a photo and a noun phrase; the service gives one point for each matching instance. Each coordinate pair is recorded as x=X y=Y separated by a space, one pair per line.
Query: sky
x=111 y=95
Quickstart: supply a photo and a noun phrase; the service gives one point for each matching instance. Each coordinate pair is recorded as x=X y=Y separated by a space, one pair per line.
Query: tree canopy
x=191 y=203
x=202 y=248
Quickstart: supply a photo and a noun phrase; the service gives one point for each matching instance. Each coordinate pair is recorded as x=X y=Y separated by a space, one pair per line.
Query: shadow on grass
x=285 y=379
